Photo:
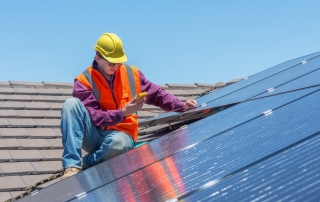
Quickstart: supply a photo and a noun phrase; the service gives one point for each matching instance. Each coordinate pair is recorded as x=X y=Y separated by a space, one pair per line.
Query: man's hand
x=190 y=104
x=132 y=106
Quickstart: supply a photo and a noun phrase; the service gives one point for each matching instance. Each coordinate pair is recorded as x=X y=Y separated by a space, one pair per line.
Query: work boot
x=68 y=172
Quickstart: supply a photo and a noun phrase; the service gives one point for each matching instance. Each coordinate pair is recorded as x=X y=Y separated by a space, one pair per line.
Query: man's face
x=106 y=66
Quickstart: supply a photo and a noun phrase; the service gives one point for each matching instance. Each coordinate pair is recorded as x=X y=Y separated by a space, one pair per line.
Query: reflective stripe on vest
x=95 y=89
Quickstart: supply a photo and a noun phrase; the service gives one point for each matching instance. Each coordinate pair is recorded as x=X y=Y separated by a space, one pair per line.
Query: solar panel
x=291 y=175
x=221 y=157
x=177 y=142
x=245 y=89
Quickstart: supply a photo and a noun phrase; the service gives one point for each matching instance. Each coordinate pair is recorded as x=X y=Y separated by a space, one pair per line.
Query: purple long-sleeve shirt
x=156 y=96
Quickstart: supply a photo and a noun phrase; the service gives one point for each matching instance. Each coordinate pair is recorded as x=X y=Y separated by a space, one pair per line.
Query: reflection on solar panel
x=251 y=87
x=266 y=149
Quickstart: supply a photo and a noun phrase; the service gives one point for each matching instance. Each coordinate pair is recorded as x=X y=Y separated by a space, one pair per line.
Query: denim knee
x=70 y=104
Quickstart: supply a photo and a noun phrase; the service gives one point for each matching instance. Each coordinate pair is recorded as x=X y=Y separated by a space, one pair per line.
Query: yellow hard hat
x=110 y=47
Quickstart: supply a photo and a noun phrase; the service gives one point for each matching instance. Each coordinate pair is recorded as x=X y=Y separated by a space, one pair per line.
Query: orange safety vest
x=126 y=87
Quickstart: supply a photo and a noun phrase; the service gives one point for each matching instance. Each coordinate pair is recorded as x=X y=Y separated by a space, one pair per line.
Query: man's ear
x=96 y=58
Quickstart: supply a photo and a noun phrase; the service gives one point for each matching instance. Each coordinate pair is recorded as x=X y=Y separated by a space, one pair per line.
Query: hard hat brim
x=120 y=59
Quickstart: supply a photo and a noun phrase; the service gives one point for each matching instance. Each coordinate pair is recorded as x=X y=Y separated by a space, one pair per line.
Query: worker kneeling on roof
x=101 y=117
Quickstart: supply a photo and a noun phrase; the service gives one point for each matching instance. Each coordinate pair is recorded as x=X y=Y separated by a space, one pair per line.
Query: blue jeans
x=78 y=131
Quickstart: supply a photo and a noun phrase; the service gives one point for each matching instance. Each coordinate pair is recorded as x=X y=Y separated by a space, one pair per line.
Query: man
x=101 y=117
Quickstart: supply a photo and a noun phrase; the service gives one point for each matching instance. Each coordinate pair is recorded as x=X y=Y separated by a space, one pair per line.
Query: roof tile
x=47 y=166
x=12 y=105
x=25 y=154
x=55 y=142
x=49 y=91
x=4 y=155
x=3 y=122
x=7 y=91
x=43 y=98
x=58 y=131
x=42 y=132
x=4 y=196
x=51 y=114
x=11 y=182
x=58 y=84
x=181 y=86
x=8 y=113
x=19 y=97
x=62 y=98
x=4 y=84
x=25 y=84
x=16 y=167
x=29 y=113
x=33 y=179
x=36 y=105
x=13 y=132
x=22 y=122
x=3 y=97
x=48 y=122
x=55 y=106
x=9 y=143
x=52 y=153
x=17 y=193
x=66 y=91
x=34 y=143
x=41 y=186
x=26 y=91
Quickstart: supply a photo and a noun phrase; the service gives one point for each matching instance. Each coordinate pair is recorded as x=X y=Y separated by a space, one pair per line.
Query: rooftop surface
x=31 y=147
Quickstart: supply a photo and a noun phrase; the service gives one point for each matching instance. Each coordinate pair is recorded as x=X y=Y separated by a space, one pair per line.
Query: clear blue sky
x=170 y=41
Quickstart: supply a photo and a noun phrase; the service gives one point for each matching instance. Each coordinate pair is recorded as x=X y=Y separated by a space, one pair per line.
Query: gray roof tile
x=195 y=91
x=57 y=131
x=34 y=143
x=181 y=86
x=3 y=97
x=36 y=105
x=7 y=91
x=16 y=167
x=46 y=184
x=178 y=92
x=12 y=105
x=51 y=114
x=57 y=142
x=8 y=113
x=55 y=106
x=206 y=86
x=33 y=179
x=25 y=154
x=57 y=84
x=49 y=91
x=66 y=91
x=52 y=153
x=9 y=143
x=43 y=98
x=3 y=122
x=28 y=91
x=11 y=182
x=4 y=196
x=47 y=166
x=62 y=98
x=13 y=132
x=146 y=114
x=48 y=122
x=17 y=193
x=19 y=98
x=42 y=132
x=25 y=84
x=21 y=122
x=4 y=84
x=29 y=113
x=4 y=155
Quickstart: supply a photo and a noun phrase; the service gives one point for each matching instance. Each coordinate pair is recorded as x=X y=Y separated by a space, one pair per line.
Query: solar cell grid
x=237 y=149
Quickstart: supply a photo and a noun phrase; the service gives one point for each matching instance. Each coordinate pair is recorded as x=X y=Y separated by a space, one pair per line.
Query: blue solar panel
x=291 y=175
x=246 y=89
x=204 y=151
x=165 y=146
x=218 y=158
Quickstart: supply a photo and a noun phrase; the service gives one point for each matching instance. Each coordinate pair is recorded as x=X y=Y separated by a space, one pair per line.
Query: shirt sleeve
x=98 y=116
x=158 y=96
